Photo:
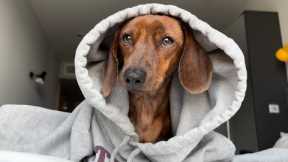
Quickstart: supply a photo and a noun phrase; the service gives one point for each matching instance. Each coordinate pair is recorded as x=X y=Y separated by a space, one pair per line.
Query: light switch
x=274 y=108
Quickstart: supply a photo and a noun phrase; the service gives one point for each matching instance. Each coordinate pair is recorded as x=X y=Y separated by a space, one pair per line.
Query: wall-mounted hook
x=38 y=78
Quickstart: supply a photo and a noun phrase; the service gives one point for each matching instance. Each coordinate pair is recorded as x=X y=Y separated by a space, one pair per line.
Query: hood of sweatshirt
x=193 y=116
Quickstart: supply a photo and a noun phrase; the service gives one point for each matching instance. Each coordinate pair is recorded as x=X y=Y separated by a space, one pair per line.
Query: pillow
x=282 y=142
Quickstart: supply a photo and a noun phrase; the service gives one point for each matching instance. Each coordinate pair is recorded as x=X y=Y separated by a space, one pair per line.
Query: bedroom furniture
x=264 y=112
x=70 y=95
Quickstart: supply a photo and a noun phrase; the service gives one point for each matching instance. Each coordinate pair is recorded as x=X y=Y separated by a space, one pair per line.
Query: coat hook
x=38 y=78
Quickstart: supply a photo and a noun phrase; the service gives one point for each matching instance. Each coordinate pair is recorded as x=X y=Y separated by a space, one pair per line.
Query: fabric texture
x=99 y=129
x=269 y=155
x=282 y=142
x=6 y=156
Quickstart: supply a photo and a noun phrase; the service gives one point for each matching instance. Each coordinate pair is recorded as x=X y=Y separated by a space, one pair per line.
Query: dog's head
x=148 y=49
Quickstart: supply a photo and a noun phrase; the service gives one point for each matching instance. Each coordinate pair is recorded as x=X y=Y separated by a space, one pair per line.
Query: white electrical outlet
x=274 y=108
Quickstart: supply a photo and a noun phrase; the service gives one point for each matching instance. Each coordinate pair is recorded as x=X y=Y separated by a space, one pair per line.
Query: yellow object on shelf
x=282 y=54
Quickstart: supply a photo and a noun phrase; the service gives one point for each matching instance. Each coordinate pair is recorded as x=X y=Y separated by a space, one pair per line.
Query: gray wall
x=23 y=48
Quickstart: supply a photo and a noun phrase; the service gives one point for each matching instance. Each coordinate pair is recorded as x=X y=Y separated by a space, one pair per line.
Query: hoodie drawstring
x=133 y=154
x=116 y=150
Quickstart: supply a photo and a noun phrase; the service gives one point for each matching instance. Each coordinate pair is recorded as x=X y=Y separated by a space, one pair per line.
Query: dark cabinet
x=257 y=125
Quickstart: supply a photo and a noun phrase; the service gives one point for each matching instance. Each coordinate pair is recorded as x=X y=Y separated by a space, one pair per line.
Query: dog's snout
x=134 y=77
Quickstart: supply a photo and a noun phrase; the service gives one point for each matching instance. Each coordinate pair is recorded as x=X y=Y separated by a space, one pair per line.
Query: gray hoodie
x=99 y=129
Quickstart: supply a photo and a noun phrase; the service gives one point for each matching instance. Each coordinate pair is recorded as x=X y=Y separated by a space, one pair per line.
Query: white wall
x=23 y=48
x=280 y=6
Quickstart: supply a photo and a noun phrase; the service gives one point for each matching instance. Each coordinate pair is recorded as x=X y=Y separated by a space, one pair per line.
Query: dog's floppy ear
x=111 y=70
x=195 y=68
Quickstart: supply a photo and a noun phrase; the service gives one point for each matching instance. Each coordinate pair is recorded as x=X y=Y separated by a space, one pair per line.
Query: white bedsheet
x=282 y=142
x=270 y=155
x=9 y=156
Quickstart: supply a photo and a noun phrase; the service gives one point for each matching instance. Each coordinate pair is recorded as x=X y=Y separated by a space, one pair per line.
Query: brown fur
x=149 y=108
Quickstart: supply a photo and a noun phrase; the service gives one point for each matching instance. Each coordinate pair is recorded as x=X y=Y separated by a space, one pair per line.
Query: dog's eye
x=127 y=38
x=166 y=41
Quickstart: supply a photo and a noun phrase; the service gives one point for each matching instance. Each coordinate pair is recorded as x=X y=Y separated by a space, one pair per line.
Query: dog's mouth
x=149 y=87
x=137 y=91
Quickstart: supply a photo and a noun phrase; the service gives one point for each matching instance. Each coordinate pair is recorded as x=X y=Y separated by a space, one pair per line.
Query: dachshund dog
x=144 y=54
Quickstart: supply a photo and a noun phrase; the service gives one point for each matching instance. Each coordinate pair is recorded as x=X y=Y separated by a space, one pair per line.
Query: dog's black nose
x=134 y=77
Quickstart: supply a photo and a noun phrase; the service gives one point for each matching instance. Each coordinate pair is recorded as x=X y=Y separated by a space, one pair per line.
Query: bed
x=279 y=153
